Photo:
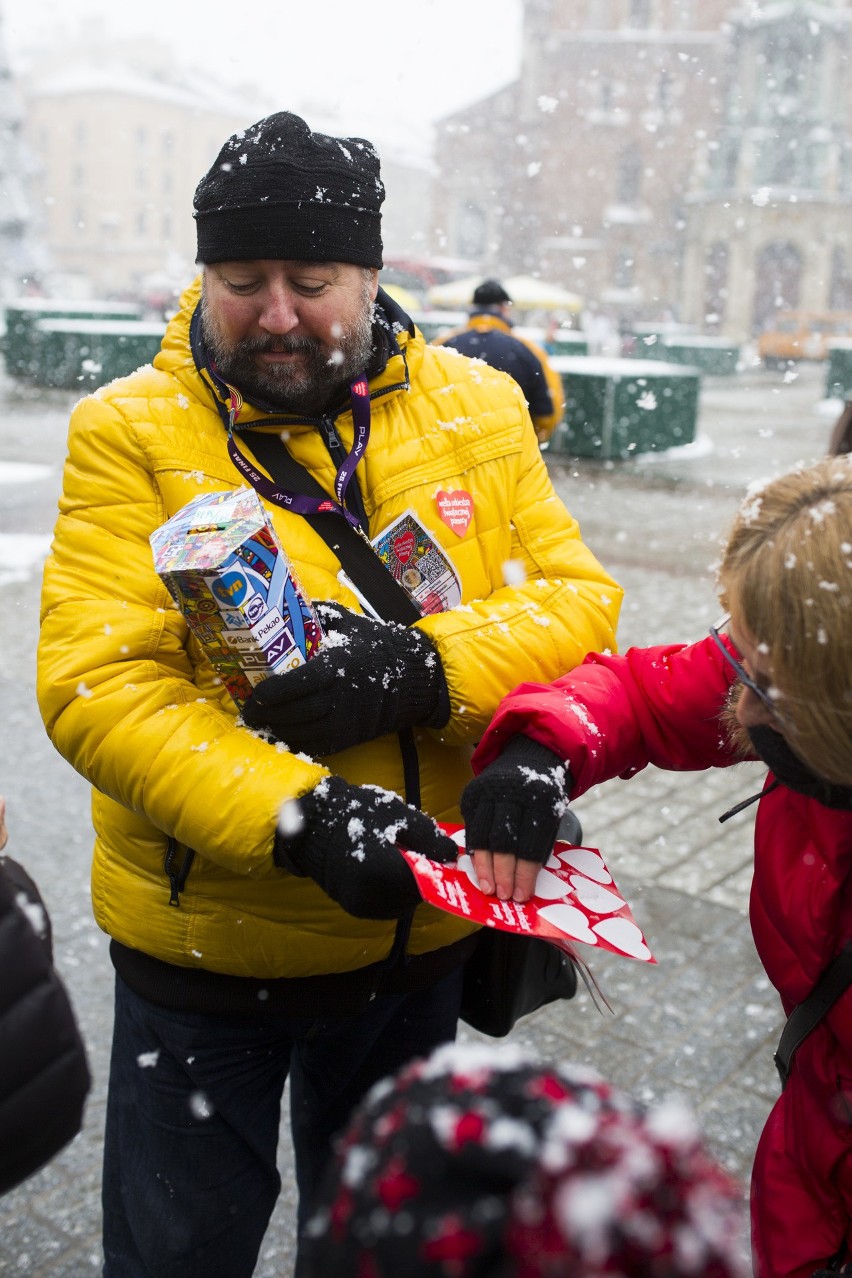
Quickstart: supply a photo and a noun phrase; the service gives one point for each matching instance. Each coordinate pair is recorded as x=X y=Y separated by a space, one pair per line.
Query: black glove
x=516 y=803
x=368 y=678
x=348 y=841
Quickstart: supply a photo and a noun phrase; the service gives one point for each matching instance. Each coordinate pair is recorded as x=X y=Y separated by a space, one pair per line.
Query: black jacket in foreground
x=44 y=1075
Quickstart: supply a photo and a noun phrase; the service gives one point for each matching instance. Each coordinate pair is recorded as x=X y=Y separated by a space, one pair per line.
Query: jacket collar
x=485 y=321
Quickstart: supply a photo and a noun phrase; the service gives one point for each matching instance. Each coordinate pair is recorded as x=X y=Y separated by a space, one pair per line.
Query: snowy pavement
x=702 y=1022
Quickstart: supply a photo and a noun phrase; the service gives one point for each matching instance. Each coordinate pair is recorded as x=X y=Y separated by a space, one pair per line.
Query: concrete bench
x=87 y=353
x=615 y=408
x=20 y=340
x=715 y=356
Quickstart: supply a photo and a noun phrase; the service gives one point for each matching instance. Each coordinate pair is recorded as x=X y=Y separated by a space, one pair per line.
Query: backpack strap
x=834 y=981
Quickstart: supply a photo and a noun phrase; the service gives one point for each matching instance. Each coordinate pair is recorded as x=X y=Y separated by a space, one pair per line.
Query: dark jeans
x=190 y=1175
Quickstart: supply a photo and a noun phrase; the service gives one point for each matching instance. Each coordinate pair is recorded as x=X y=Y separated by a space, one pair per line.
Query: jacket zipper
x=177 y=874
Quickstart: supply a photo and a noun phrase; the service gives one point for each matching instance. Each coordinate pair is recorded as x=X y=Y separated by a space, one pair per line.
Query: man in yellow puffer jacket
x=246 y=951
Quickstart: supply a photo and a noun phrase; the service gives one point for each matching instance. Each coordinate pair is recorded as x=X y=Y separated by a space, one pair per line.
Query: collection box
x=222 y=563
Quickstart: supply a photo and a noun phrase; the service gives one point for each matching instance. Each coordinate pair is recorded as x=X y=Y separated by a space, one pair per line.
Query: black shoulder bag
x=507 y=976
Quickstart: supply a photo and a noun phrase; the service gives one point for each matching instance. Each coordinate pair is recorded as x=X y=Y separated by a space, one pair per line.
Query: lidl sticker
x=456 y=510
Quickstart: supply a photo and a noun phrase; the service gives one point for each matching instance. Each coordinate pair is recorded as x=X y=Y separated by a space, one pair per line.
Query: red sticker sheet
x=575 y=899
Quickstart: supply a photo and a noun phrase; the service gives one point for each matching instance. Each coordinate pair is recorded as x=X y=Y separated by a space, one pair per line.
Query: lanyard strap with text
x=359 y=394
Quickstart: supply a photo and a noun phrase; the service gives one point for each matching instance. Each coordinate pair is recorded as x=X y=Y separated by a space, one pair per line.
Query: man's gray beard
x=321 y=376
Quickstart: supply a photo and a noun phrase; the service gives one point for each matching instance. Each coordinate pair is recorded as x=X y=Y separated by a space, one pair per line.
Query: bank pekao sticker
x=413 y=556
x=575 y=899
x=456 y=510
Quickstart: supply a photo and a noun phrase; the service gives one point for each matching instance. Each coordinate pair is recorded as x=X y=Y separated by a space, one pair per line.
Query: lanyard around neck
x=359 y=396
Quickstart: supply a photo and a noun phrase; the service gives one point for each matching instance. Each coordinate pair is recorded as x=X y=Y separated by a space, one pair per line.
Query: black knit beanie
x=277 y=190
x=490 y=293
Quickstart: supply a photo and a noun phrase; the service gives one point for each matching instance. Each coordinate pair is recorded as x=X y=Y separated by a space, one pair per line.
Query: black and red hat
x=484 y=1163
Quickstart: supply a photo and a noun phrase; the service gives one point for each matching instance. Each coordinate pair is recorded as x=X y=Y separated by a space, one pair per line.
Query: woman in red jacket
x=772 y=681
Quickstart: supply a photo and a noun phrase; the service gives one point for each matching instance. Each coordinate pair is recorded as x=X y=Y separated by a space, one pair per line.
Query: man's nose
x=278 y=312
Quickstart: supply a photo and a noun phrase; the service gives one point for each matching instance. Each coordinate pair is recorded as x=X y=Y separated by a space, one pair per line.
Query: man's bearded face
x=291 y=338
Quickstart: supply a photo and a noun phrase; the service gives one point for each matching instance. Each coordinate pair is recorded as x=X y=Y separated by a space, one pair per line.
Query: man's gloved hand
x=345 y=838
x=512 y=810
x=368 y=678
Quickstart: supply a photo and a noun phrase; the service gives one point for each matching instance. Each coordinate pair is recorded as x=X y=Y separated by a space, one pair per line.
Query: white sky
x=366 y=60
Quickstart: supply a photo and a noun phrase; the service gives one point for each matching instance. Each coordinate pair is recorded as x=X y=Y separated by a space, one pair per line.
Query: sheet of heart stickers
x=575 y=899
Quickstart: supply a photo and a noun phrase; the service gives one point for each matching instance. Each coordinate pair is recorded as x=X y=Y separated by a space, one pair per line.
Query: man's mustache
x=283 y=345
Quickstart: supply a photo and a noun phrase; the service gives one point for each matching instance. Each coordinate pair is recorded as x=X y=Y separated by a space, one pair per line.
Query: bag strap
x=388 y=599
x=357 y=557
x=834 y=981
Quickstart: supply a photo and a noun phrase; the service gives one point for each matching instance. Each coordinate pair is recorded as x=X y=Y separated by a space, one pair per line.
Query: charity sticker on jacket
x=455 y=509
x=413 y=556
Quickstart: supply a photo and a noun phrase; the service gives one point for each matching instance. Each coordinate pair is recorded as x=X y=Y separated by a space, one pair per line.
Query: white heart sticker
x=595 y=898
x=588 y=862
x=549 y=887
x=569 y=920
x=625 y=936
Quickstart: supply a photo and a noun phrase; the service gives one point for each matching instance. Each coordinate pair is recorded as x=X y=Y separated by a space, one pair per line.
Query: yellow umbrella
x=453 y=294
x=529 y=294
x=526 y=292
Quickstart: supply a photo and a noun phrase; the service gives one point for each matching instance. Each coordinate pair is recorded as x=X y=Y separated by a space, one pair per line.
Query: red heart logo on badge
x=456 y=510
x=403 y=547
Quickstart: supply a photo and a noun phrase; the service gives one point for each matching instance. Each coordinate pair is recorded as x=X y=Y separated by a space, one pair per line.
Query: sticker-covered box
x=226 y=570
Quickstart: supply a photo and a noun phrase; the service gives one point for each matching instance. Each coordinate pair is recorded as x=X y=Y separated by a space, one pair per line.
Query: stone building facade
x=120 y=140
x=666 y=159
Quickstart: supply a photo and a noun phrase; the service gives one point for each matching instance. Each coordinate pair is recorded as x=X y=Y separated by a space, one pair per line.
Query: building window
x=840 y=286
x=471 y=231
x=778 y=281
x=664 y=90
x=141 y=222
x=629 y=177
x=80 y=133
x=640 y=13
x=624 y=265
x=716 y=284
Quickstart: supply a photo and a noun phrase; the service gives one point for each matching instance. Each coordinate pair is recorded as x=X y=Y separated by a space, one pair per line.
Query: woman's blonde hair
x=787 y=574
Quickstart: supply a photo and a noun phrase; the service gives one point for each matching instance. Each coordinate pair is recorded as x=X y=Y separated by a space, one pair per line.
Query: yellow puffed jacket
x=129 y=699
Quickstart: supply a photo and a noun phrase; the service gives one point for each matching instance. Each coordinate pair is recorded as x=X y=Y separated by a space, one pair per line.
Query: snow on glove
x=368 y=678
x=347 y=843
x=515 y=804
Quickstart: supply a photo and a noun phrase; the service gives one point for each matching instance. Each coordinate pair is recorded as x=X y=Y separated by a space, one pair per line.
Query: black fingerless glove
x=516 y=803
x=368 y=678
x=348 y=842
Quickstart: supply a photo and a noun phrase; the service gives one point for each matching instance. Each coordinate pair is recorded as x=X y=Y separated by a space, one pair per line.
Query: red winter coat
x=611 y=717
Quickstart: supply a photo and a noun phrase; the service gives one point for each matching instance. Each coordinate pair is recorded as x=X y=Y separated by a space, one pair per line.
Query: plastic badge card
x=575 y=899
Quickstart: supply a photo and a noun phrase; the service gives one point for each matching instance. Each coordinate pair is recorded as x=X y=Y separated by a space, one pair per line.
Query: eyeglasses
x=762 y=693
